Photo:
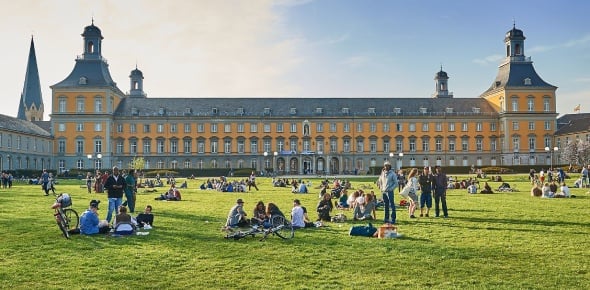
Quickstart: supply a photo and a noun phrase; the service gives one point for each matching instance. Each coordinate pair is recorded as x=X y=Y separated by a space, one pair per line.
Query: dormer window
x=319 y=110
x=397 y=110
x=345 y=111
x=134 y=111
x=371 y=111
x=215 y=111
x=423 y=110
x=188 y=111
x=475 y=110
x=82 y=81
x=266 y=111
x=240 y=111
x=498 y=83
x=293 y=111
x=449 y=110
x=527 y=82
x=161 y=111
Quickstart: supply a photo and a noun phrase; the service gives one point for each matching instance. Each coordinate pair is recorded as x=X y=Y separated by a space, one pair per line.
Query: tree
x=138 y=163
x=576 y=153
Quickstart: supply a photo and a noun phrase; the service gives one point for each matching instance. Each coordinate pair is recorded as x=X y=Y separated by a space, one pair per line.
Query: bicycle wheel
x=282 y=227
x=61 y=224
x=72 y=219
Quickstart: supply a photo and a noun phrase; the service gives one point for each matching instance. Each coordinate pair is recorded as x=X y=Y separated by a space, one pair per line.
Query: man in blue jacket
x=89 y=222
x=115 y=186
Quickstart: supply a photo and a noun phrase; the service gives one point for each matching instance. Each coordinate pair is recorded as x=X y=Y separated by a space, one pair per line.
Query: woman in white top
x=564 y=191
x=412 y=196
x=546 y=191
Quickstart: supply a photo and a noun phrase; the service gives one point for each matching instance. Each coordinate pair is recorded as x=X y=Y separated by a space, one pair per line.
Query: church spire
x=31 y=103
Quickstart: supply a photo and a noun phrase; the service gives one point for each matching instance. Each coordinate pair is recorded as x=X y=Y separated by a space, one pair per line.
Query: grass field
x=499 y=241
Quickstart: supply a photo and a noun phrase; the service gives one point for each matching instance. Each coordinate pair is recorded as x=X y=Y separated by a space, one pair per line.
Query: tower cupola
x=92 y=42
x=136 y=78
x=441 y=80
x=514 y=41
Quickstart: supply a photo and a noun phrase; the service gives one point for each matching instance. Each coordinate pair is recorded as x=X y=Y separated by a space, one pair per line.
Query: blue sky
x=299 y=48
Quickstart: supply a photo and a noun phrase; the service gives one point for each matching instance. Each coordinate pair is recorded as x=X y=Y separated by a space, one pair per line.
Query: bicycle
x=67 y=218
x=279 y=226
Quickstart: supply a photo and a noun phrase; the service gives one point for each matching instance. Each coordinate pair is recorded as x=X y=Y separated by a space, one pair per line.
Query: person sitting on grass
x=564 y=191
x=324 y=208
x=297 y=218
x=546 y=191
x=536 y=191
x=145 y=218
x=366 y=211
x=259 y=214
x=343 y=200
x=89 y=222
x=487 y=189
x=236 y=216
x=173 y=194
x=123 y=224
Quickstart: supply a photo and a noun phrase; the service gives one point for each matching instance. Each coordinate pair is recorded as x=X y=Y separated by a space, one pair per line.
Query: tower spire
x=31 y=102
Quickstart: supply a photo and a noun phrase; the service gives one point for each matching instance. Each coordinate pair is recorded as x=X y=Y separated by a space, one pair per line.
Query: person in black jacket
x=426 y=181
x=115 y=185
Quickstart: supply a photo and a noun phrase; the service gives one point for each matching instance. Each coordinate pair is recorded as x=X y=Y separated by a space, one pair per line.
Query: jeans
x=389 y=202
x=114 y=203
x=129 y=200
x=440 y=197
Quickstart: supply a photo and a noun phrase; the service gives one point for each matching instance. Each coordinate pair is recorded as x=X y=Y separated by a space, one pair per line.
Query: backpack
x=124 y=229
x=363 y=231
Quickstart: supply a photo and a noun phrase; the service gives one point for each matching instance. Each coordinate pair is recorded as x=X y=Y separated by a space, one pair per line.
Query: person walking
x=440 y=192
x=387 y=183
x=45 y=182
x=252 y=181
x=115 y=185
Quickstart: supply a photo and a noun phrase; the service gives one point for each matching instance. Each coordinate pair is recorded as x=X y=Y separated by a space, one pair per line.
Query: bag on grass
x=406 y=190
x=363 y=231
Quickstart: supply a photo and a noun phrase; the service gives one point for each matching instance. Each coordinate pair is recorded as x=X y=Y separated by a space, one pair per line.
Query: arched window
x=90 y=47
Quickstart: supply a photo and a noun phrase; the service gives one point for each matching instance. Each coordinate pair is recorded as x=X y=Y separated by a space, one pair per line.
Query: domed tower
x=441 y=80
x=136 y=78
x=514 y=41
x=92 y=42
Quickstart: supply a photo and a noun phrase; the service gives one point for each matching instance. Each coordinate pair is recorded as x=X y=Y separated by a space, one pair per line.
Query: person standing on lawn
x=130 y=190
x=440 y=192
x=115 y=185
x=426 y=181
x=387 y=183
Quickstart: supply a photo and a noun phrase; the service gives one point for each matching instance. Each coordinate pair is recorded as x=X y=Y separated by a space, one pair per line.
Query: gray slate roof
x=305 y=107
x=96 y=72
x=17 y=125
x=513 y=74
x=572 y=123
x=32 y=89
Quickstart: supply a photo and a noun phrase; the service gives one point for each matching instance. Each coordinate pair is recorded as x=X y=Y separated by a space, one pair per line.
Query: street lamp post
x=274 y=163
x=401 y=159
x=550 y=151
x=97 y=163
x=264 y=161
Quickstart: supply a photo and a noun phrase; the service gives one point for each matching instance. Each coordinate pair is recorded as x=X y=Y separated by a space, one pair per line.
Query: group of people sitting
x=261 y=215
x=123 y=224
x=362 y=204
x=551 y=190
x=173 y=194
x=223 y=185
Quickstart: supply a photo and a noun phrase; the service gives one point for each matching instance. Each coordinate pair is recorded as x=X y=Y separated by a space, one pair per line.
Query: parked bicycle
x=67 y=218
x=278 y=226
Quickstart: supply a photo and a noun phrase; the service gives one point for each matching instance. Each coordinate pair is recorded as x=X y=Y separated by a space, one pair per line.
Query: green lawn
x=499 y=241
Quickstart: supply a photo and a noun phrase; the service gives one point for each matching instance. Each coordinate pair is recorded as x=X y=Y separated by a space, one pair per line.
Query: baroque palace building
x=96 y=125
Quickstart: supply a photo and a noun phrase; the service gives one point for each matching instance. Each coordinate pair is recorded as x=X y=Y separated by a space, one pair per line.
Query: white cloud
x=490 y=59
x=356 y=61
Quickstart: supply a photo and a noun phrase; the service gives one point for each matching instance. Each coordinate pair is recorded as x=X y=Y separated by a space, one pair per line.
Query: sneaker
x=421 y=215
x=412 y=217
x=426 y=215
x=446 y=216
